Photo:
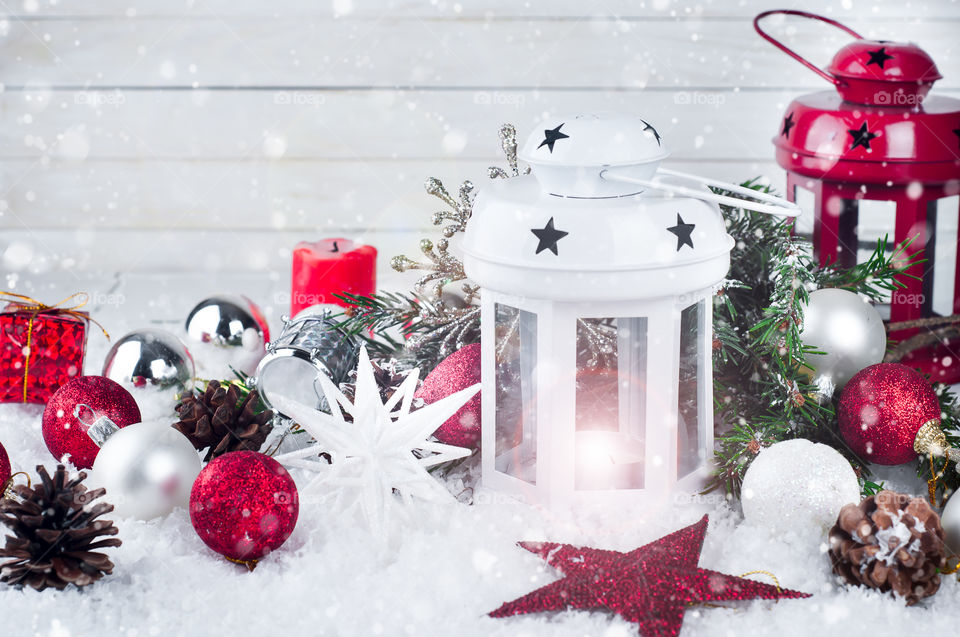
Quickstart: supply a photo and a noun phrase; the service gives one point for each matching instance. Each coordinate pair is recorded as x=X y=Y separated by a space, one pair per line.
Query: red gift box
x=42 y=348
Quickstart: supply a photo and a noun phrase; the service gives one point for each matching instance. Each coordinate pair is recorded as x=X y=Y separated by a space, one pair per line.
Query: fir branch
x=431 y=329
x=876 y=277
x=763 y=391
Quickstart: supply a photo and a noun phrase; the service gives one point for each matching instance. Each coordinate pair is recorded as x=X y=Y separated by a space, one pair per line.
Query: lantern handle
x=768 y=204
x=796 y=56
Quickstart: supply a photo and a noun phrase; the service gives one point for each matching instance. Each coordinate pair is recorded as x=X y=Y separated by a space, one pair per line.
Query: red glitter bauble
x=4 y=468
x=243 y=505
x=457 y=371
x=64 y=434
x=881 y=410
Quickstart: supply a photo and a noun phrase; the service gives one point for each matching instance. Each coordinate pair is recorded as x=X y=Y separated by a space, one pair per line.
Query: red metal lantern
x=878 y=136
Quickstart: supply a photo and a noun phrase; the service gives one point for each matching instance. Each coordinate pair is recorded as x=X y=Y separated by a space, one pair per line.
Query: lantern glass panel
x=942 y=267
x=692 y=381
x=516 y=413
x=874 y=221
x=610 y=403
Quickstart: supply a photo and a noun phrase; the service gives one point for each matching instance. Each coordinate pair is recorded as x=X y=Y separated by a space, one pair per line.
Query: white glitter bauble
x=798 y=485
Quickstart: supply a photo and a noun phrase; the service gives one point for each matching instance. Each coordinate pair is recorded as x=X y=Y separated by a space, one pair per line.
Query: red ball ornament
x=64 y=434
x=5 y=470
x=244 y=505
x=457 y=371
x=881 y=410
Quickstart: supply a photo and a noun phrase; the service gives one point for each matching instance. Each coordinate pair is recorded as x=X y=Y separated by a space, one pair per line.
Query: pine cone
x=218 y=420
x=55 y=531
x=891 y=542
x=387 y=377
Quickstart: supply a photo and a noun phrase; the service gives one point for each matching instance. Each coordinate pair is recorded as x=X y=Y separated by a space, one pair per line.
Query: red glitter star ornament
x=650 y=586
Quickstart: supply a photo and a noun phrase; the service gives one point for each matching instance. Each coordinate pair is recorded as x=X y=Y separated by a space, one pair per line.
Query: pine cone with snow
x=55 y=533
x=890 y=542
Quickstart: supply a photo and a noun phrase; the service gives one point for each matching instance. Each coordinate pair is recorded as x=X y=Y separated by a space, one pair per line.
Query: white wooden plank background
x=135 y=133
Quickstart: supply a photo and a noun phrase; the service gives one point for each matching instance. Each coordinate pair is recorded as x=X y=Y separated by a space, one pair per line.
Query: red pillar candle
x=331 y=266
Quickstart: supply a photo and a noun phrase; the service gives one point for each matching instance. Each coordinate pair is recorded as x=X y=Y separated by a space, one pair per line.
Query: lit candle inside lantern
x=608 y=460
x=331 y=266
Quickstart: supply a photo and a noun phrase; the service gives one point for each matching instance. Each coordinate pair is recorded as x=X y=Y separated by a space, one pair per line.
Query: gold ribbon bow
x=25 y=303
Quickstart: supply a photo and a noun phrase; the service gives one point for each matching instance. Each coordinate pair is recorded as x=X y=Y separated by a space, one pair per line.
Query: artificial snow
x=890 y=541
x=439 y=573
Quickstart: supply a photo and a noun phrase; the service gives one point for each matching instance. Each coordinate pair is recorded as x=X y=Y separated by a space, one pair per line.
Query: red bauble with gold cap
x=883 y=409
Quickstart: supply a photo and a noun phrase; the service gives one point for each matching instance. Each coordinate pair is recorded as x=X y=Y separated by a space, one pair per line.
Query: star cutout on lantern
x=383 y=452
x=788 y=123
x=879 y=57
x=651 y=586
x=648 y=127
x=548 y=236
x=683 y=232
x=550 y=137
x=861 y=136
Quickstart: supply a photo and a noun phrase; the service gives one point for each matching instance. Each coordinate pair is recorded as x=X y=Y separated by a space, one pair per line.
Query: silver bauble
x=147 y=469
x=229 y=331
x=950 y=521
x=226 y=321
x=848 y=329
x=150 y=357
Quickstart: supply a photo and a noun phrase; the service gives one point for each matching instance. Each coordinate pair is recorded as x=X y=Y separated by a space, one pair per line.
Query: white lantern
x=596 y=302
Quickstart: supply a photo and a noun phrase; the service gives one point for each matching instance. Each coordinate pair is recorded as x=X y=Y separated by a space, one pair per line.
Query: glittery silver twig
x=508 y=143
x=601 y=341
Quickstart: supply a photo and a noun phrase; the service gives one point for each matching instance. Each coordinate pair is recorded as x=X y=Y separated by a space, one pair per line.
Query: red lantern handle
x=796 y=56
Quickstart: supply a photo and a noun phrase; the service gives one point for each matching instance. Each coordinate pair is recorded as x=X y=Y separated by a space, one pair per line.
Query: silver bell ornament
x=227 y=332
x=848 y=329
x=150 y=357
x=310 y=346
x=147 y=468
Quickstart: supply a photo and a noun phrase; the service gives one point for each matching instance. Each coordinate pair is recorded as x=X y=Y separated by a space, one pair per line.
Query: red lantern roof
x=869 y=71
x=884 y=60
x=821 y=134
x=878 y=126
